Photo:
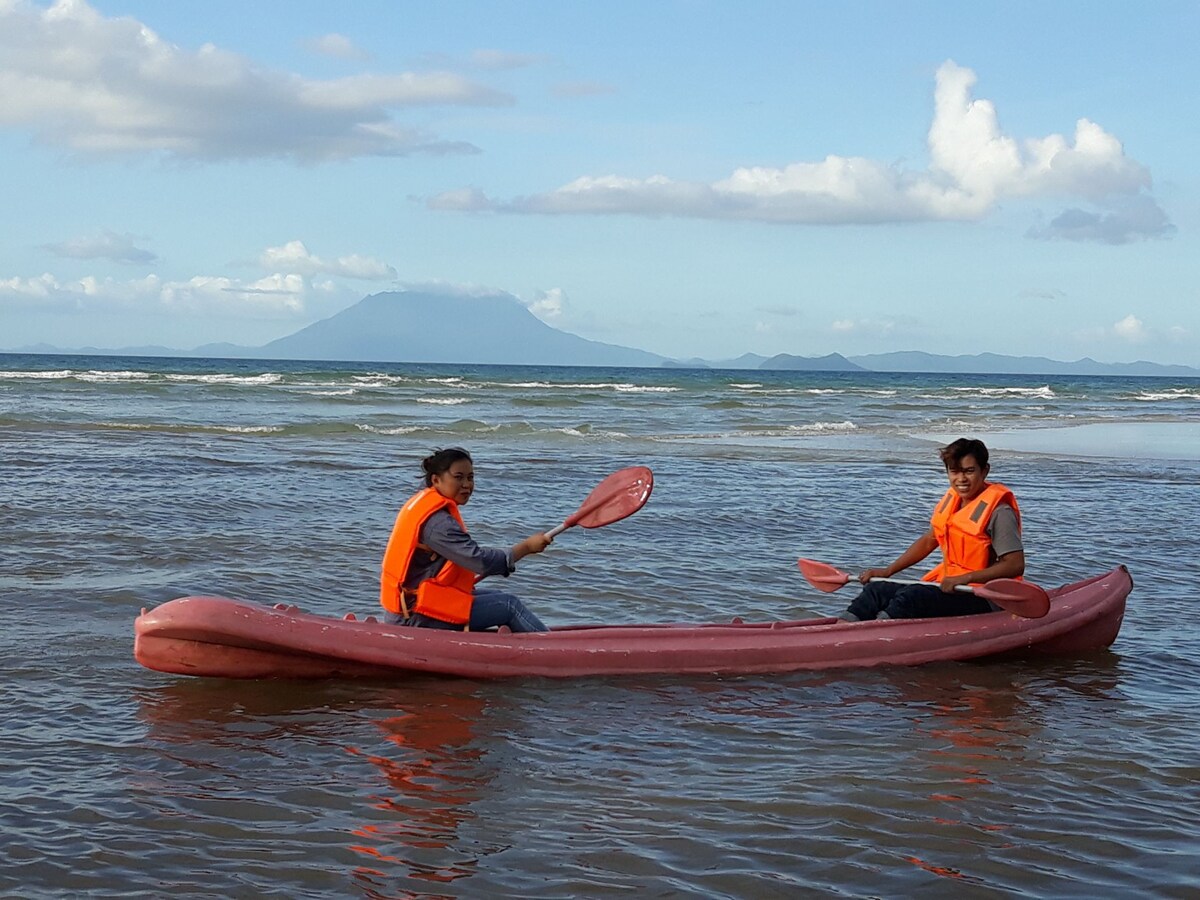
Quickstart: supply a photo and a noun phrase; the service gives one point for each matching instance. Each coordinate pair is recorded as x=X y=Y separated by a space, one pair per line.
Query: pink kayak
x=224 y=638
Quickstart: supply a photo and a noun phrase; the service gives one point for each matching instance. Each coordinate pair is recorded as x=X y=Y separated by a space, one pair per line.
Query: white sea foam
x=1044 y=392
x=94 y=375
x=225 y=378
x=1168 y=395
x=823 y=427
x=444 y=401
x=215 y=429
x=397 y=429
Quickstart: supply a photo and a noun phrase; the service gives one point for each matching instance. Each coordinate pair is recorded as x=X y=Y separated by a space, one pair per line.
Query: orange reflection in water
x=431 y=763
x=980 y=727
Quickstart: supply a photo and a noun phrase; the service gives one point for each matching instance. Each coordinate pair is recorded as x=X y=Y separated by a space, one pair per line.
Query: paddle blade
x=822 y=576
x=1018 y=597
x=619 y=495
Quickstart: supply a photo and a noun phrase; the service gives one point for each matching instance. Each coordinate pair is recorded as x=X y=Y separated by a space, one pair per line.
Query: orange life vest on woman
x=448 y=595
x=961 y=531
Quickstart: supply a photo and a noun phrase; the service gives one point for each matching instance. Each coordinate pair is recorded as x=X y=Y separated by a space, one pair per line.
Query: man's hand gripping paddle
x=1018 y=597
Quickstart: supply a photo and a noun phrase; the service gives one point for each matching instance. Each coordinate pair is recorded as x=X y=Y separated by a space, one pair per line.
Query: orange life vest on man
x=448 y=595
x=961 y=530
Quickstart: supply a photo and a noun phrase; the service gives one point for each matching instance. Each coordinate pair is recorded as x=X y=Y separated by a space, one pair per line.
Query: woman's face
x=457 y=482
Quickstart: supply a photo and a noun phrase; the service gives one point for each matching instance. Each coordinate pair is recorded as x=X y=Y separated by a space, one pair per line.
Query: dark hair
x=439 y=462
x=953 y=453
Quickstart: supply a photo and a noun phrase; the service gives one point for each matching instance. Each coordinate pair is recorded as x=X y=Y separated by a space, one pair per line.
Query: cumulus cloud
x=295 y=258
x=98 y=84
x=105 y=245
x=337 y=46
x=549 y=306
x=973 y=166
x=1130 y=329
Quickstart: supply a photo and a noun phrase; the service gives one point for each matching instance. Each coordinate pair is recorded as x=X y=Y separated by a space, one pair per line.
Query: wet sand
x=1124 y=440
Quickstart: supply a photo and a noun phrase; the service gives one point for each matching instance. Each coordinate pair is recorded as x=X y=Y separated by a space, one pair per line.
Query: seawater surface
x=130 y=481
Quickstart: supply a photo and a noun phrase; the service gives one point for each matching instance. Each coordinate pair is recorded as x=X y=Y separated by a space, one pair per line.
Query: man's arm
x=917 y=551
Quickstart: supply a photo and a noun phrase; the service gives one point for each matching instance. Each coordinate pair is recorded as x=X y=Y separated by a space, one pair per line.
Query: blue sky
x=691 y=178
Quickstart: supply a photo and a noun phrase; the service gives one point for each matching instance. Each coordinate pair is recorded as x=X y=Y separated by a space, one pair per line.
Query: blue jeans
x=490 y=609
x=914 y=601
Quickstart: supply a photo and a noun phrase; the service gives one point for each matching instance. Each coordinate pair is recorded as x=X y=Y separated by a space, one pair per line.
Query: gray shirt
x=447 y=540
x=1004 y=533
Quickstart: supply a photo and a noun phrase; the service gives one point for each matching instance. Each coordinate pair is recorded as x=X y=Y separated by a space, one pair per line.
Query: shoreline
x=1121 y=440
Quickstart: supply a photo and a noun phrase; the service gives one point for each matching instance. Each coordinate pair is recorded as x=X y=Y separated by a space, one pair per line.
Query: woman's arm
x=442 y=534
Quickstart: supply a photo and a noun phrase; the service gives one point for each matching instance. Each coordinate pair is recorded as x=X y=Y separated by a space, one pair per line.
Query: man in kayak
x=431 y=563
x=977 y=526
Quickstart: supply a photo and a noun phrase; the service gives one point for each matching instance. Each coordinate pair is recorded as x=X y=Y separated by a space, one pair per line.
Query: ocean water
x=129 y=481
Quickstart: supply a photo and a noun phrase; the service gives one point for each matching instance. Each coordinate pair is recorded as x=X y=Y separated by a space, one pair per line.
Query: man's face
x=967 y=477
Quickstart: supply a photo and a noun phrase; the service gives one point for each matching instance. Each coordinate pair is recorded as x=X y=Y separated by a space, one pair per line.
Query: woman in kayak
x=977 y=525
x=432 y=563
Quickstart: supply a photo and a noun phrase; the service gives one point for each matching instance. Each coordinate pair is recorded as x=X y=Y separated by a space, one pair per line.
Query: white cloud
x=273 y=297
x=105 y=245
x=337 y=46
x=294 y=257
x=461 y=200
x=1130 y=329
x=973 y=166
x=549 y=306
x=111 y=85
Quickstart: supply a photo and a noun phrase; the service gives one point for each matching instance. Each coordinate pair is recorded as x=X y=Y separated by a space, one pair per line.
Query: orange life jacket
x=961 y=531
x=448 y=595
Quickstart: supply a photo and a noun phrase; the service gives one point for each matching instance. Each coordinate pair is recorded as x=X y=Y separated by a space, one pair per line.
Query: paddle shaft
x=965 y=588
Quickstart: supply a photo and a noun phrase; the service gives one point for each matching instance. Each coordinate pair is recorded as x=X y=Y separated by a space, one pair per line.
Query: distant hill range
x=422 y=327
x=445 y=328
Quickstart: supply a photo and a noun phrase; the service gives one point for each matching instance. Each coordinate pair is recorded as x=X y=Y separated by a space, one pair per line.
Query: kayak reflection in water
x=432 y=563
x=977 y=526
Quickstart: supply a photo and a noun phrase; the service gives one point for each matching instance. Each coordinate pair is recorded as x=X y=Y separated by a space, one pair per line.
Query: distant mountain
x=50 y=350
x=413 y=326
x=409 y=326
x=832 y=362
x=995 y=364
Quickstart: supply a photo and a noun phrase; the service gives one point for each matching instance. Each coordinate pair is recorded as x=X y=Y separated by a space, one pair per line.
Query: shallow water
x=130 y=482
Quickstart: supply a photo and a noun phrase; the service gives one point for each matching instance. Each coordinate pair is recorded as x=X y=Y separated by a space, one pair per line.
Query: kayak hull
x=225 y=638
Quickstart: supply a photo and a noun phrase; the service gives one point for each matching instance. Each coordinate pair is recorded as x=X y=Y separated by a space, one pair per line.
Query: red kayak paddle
x=1018 y=597
x=619 y=495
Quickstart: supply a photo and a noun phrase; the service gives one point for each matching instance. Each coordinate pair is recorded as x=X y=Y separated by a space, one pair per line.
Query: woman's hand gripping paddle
x=1018 y=597
x=619 y=495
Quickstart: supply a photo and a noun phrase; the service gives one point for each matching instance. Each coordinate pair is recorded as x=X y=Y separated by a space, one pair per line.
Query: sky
x=693 y=178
